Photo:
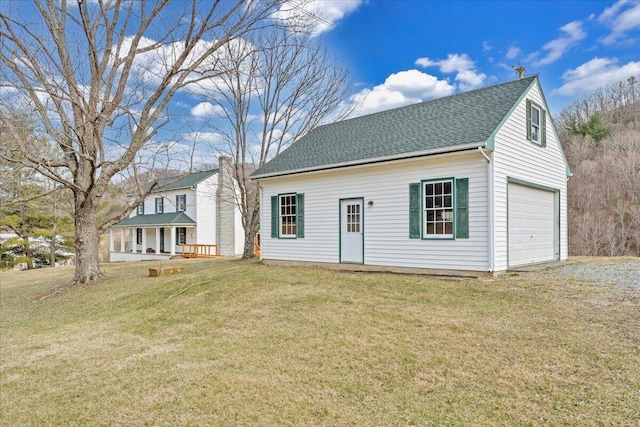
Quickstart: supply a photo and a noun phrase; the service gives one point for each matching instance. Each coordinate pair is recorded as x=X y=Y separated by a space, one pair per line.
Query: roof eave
x=166 y=224
x=360 y=162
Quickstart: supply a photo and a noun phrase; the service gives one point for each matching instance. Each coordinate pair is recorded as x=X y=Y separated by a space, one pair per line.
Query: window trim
x=542 y=123
x=535 y=136
x=423 y=231
x=295 y=216
x=276 y=222
x=161 y=204
x=140 y=209
x=178 y=197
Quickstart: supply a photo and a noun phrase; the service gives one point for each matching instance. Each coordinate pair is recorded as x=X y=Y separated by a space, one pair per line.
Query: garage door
x=532 y=217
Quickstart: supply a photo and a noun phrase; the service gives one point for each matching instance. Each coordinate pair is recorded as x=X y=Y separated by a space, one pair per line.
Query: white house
x=473 y=183
x=191 y=215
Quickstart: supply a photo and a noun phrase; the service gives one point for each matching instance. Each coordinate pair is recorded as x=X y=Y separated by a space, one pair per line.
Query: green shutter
x=414 y=211
x=300 y=215
x=528 y=120
x=462 y=208
x=543 y=128
x=274 y=217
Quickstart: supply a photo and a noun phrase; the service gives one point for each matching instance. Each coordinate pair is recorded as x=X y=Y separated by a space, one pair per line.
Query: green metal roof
x=176 y=183
x=442 y=125
x=168 y=219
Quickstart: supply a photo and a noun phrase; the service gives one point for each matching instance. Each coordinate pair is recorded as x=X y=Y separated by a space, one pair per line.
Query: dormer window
x=536 y=123
x=141 y=209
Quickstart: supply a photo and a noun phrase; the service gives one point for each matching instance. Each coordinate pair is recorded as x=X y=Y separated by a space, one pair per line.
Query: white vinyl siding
x=386 y=222
x=517 y=158
x=205 y=210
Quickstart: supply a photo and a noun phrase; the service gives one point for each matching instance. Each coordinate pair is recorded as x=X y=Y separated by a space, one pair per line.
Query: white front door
x=351 y=231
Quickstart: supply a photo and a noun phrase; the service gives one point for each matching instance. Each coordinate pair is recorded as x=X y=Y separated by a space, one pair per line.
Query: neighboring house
x=471 y=183
x=195 y=212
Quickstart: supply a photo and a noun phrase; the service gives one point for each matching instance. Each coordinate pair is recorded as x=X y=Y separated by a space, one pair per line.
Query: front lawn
x=238 y=343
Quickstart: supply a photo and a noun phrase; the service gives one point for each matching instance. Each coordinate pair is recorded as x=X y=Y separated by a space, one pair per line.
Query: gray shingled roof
x=440 y=125
x=172 y=218
x=186 y=181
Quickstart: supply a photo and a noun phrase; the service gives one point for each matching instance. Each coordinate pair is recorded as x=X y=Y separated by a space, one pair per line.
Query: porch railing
x=196 y=250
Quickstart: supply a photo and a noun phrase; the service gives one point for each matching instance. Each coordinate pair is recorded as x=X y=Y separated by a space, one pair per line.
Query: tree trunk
x=27 y=247
x=249 y=239
x=87 y=238
x=52 y=253
x=250 y=232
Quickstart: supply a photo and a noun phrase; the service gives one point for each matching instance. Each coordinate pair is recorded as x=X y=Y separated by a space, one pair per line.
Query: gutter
x=381 y=159
x=490 y=214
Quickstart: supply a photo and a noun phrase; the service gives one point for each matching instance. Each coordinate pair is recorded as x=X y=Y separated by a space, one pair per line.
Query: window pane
x=447 y=187
x=429 y=202
x=448 y=228
x=429 y=189
x=535 y=116
x=430 y=228
x=438 y=188
x=447 y=201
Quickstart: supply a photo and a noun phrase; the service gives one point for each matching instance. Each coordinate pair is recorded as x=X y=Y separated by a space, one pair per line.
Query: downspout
x=489 y=208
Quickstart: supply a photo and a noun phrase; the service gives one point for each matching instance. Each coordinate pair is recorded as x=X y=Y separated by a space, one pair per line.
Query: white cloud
x=486 y=46
x=573 y=33
x=399 y=89
x=596 y=73
x=467 y=76
x=621 y=18
x=513 y=52
x=319 y=15
x=207 y=110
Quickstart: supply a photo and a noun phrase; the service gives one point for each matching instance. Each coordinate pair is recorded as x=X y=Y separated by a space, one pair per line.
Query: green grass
x=239 y=343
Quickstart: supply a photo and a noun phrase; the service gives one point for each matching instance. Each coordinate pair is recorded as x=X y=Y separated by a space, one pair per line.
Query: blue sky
x=401 y=52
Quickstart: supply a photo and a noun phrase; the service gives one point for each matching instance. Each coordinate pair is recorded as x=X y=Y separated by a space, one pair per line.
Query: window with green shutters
x=536 y=123
x=439 y=209
x=287 y=216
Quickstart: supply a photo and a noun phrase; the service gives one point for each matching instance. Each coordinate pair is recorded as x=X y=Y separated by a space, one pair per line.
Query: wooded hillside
x=601 y=138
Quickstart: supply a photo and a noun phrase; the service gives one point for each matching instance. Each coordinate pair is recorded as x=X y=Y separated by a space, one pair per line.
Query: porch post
x=157 y=240
x=172 y=240
x=144 y=240
x=111 y=243
x=133 y=240
x=122 y=245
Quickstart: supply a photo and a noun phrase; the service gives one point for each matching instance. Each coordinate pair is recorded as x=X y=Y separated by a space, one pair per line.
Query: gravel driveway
x=622 y=273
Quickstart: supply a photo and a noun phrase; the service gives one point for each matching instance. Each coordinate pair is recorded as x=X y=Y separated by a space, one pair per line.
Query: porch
x=152 y=237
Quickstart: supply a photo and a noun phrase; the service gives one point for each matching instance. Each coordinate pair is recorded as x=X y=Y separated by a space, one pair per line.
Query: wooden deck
x=196 y=250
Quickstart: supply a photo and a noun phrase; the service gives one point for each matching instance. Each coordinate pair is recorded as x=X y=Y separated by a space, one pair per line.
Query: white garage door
x=532 y=225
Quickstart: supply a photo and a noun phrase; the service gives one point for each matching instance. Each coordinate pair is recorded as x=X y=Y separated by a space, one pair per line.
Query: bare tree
x=99 y=77
x=281 y=84
x=601 y=137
